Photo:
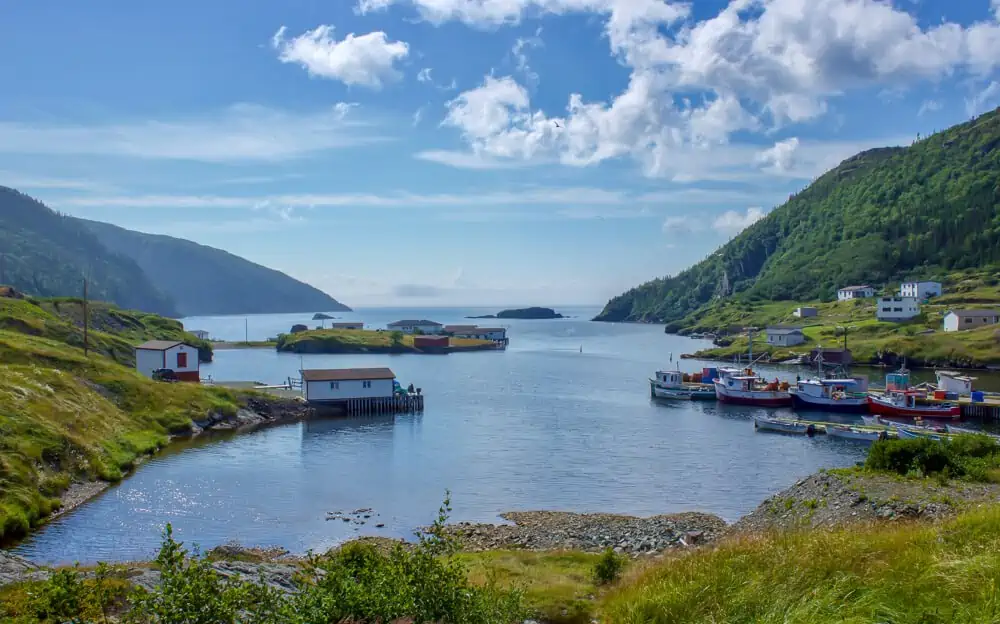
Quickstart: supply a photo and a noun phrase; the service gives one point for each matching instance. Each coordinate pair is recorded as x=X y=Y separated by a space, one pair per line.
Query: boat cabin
x=669 y=378
x=897 y=381
x=954 y=382
x=906 y=399
x=826 y=388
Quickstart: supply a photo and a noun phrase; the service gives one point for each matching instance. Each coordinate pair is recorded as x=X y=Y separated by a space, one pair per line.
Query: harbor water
x=561 y=420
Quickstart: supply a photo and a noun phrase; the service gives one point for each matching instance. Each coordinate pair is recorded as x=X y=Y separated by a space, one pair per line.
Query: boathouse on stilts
x=359 y=391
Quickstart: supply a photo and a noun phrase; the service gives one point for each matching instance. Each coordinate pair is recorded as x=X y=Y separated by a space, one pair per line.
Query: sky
x=459 y=152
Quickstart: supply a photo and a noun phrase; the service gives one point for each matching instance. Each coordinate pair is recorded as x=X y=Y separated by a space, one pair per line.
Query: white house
x=785 y=336
x=412 y=327
x=958 y=320
x=805 y=311
x=200 y=334
x=168 y=354
x=920 y=290
x=954 y=382
x=348 y=325
x=855 y=292
x=896 y=308
x=482 y=333
x=344 y=384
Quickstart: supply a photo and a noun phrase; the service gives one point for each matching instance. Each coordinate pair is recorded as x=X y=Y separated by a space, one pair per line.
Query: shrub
x=608 y=568
x=910 y=455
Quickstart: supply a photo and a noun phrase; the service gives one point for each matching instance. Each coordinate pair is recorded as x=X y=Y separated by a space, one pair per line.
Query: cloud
x=424 y=75
x=983 y=100
x=756 y=65
x=732 y=222
x=418 y=115
x=929 y=106
x=365 y=60
x=520 y=54
x=22 y=181
x=468 y=160
x=781 y=157
x=240 y=133
x=681 y=225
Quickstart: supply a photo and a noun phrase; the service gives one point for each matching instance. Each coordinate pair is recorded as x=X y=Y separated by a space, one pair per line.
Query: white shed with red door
x=168 y=354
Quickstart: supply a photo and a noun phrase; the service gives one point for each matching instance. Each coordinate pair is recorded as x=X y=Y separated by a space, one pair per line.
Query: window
x=968 y=320
x=366 y=384
x=897 y=309
x=182 y=359
x=335 y=385
x=886 y=310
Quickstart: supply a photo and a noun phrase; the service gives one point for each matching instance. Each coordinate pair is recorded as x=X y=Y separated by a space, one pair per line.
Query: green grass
x=358 y=340
x=558 y=587
x=870 y=340
x=64 y=416
x=901 y=573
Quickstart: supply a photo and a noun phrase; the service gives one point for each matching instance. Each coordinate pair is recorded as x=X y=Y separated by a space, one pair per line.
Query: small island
x=320 y=316
x=376 y=341
x=534 y=313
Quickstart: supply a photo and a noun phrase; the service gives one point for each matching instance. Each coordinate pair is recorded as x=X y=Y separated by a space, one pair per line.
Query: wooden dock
x=988 y=409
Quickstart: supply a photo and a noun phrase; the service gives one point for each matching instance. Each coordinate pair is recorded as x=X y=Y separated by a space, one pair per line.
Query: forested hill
x=203 y=280
x=882 y=215
x=47 y=254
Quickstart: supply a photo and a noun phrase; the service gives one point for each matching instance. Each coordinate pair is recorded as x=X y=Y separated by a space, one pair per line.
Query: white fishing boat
x=742 y=387
x=782 y=425
x=671 y=385
x=853 y=433
x=964 y=431
x=912 y=433
x=830 y=395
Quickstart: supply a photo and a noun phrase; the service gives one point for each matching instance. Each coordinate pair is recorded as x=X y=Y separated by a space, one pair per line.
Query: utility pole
x=3 y=268
x=86 y=321
x=246 y=330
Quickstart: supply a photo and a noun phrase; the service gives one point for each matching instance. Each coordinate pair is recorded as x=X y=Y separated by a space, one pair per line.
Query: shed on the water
x=171 y=355
x=337 y=385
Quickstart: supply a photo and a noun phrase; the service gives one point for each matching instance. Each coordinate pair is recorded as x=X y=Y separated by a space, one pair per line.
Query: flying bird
x=557 y=124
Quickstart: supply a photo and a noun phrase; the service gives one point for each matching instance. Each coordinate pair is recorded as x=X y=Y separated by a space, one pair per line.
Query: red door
x=182 y=360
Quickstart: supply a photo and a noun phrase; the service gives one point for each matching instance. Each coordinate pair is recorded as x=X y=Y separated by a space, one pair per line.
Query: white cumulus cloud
x=781 y=157
x=733 y=222
x=367 y=60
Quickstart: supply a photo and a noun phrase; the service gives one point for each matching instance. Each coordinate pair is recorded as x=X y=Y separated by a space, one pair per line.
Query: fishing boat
x=671 y=385
x=742 y=387
x=782 y=425
x=912 y=433
x=854 y=433
x=904 y=404
x=831 y=395
x=964 y=431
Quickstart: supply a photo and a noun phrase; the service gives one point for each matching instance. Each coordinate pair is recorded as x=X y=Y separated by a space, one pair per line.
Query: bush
x=608 y=568
x=419 y=583
x=974 y=457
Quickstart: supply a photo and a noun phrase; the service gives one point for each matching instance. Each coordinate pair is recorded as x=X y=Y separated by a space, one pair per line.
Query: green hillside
x=47 y=254
x=66 y=416
x=203 y=280
x=882 y=215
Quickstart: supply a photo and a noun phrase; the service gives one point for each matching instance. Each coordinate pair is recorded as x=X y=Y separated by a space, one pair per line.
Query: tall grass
x=908 y=573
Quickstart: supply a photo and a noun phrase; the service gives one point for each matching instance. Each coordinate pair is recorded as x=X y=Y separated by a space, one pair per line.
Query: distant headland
x=523 y=313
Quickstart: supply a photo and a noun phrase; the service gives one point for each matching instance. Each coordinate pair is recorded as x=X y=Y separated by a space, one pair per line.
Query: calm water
x=540 y=426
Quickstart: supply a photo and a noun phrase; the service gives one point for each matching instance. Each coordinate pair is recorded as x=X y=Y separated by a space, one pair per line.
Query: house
x=172 y=355
x=805 y=312
x=833 y=356
x=200 y=334
x=855 y=292
x=785 y=336
x=954 y=382
x=958 y=320
x=896 y=308
x=416 y=327
x=431 y=343
x=348 y=325
x=496 y=334
x=339 y=385
x=920 y=290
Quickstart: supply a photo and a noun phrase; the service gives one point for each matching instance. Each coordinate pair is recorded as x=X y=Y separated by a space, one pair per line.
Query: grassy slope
x=354 y=340
x=113 y=331
x=889 y=573
x=65 y=416
x=868 y=339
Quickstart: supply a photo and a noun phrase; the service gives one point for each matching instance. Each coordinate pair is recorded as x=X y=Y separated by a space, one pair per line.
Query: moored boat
x=964 y=431
x=854 y=433
x=783 y=425
x=831 y=395
x=904 y=404
x=671 y=385
x=742 y=387
x=912 y=433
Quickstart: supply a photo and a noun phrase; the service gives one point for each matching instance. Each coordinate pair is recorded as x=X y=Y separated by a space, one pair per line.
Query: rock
x=379 y=525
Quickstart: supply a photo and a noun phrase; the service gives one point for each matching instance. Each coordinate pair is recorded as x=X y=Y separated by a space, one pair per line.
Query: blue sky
x=441 y=152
